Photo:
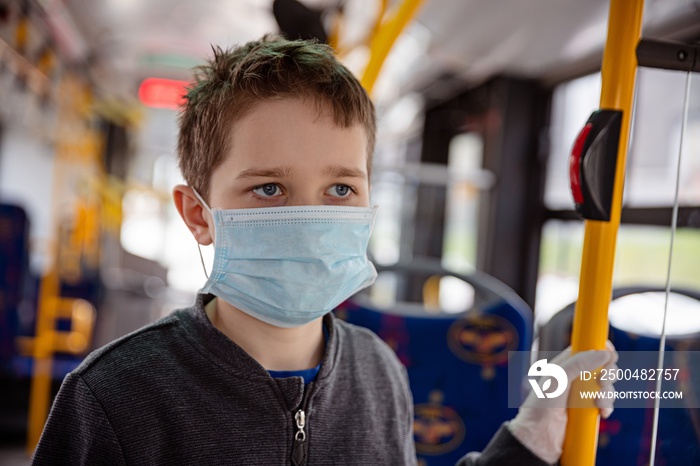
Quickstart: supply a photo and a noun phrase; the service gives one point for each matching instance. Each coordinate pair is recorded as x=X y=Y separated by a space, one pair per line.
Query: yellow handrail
x=384 y=39
x=384 y=4
x=590 y=328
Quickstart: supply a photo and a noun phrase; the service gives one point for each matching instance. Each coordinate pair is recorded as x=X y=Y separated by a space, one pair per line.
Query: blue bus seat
x=457 y=364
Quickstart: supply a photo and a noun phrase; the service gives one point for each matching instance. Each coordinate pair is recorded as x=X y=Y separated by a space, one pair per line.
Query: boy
x=275 y=144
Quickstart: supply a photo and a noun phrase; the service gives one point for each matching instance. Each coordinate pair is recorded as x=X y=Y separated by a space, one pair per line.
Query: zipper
x=301 y=419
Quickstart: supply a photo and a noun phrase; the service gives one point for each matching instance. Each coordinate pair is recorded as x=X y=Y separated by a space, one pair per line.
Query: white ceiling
x=469 y=40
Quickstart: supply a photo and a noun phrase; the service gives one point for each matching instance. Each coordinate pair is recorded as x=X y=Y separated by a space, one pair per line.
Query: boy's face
x=286 y=153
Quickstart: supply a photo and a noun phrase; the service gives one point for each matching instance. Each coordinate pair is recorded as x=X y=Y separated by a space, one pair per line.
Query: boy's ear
x=197 y=219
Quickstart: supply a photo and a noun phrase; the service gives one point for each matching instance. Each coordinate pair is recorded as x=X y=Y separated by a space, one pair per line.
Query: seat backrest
x=457 y=364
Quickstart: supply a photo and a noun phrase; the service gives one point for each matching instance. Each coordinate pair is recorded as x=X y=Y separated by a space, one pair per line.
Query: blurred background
x=478 y=103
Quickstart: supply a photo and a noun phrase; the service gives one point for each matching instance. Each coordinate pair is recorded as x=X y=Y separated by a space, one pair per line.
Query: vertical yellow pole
x=384 y=39
x=40 y=388
x=590 y=328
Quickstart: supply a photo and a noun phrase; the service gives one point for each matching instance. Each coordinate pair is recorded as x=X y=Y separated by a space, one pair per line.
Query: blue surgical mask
x=290 y=265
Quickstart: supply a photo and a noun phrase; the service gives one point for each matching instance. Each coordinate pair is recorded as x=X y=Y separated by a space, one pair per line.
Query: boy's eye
x=268 y=190
x=339 y=190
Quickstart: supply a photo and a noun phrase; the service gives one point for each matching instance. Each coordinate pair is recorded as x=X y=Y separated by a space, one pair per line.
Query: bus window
x=641 y=259
x=461 y=212
x=656 y=139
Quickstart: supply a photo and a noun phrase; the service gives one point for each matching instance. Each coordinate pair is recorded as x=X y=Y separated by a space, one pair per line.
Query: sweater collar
x=233 y=358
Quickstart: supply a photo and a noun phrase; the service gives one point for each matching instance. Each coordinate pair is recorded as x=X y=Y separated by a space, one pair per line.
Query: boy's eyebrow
x=338 y=171
x=279 y=172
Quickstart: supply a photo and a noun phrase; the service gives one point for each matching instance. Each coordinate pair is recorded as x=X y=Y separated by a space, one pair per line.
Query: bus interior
x=478 y=241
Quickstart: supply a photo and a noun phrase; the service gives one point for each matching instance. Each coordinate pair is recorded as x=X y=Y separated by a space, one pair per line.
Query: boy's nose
x=305 y=198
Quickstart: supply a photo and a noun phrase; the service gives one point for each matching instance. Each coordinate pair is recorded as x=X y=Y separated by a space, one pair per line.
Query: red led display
x=162 y=93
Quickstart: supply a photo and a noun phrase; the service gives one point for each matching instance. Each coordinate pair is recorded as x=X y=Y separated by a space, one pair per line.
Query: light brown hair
x=271 y=68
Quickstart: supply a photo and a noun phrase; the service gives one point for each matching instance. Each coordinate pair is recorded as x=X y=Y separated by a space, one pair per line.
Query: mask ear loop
x=199 y=246
x=201 y=258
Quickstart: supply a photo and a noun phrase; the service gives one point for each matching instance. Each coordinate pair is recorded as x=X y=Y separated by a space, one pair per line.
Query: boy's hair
x=268 y=69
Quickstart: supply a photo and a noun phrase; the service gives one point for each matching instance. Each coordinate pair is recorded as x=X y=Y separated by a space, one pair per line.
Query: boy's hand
x=541 y=429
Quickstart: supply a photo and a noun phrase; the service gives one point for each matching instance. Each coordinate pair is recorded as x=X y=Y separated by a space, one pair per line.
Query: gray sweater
x=179 y=392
